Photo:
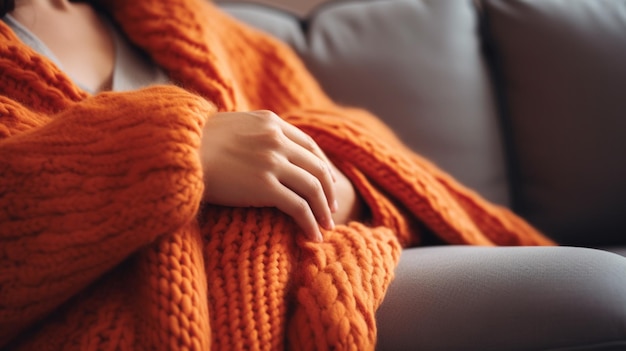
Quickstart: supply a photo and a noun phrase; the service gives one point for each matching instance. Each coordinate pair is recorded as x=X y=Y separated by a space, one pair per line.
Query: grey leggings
x=506 y=298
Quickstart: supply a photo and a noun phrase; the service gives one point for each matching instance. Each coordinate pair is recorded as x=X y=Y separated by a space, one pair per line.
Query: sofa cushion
x=563 y=77
x=415 y=63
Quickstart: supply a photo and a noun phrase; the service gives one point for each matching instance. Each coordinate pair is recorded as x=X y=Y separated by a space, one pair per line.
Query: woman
x=153 y=201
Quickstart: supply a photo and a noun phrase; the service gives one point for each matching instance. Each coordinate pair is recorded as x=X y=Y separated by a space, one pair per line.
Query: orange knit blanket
x=104 y=242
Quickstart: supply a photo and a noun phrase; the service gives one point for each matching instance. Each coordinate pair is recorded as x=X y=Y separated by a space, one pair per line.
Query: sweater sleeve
x=455 y=213
x=80 y=193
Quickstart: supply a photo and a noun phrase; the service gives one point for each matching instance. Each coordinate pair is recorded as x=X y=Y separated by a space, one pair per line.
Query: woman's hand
x=256 y=159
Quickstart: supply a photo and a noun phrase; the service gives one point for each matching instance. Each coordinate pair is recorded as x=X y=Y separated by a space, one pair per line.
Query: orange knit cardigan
x=104 y=241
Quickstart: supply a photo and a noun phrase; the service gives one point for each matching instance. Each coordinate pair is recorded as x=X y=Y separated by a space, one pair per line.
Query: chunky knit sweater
x=104 y=241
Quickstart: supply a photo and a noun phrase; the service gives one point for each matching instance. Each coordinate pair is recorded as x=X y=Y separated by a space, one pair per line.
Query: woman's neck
x=51 y=4
x=77 y=36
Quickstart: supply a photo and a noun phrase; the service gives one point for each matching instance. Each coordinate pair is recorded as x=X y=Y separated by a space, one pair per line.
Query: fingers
x=319 y=165
x=321 y=183
x=298 y=208
x=305 y=141
x=310 y=188
x=307 y=183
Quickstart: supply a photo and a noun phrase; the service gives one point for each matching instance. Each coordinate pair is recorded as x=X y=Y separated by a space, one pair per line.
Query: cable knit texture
x=104 y=241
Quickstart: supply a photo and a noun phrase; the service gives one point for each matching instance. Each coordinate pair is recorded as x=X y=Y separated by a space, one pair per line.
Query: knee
x=533 y=298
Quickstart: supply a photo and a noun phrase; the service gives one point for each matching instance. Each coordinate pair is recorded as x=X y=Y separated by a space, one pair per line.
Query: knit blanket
x=105 y=242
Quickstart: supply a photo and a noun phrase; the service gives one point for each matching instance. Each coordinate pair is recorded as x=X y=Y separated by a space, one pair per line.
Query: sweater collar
x=31 y=78
x=184 y=37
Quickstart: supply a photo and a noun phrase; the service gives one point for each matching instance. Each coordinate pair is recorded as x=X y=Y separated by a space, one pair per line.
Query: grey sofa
x=523 y=101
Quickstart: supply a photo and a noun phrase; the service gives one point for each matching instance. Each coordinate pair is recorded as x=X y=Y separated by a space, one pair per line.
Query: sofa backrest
x=519 y=100
x=562 y=74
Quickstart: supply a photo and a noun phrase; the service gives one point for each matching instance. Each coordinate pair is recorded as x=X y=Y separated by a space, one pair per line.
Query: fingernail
x=334 y=207
x=330 y=224
x=319 y=238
